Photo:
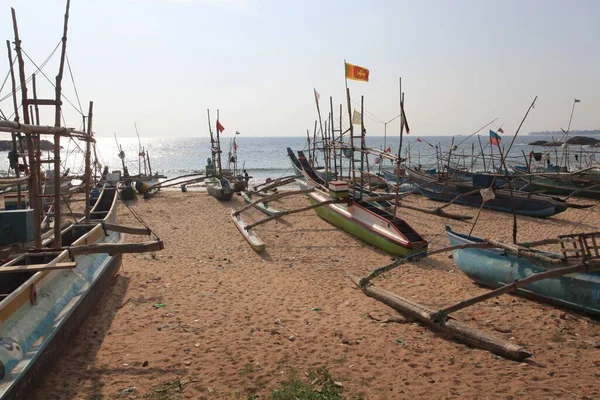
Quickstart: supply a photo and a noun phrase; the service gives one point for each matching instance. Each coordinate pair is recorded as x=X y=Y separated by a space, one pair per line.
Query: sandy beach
x=208 y=318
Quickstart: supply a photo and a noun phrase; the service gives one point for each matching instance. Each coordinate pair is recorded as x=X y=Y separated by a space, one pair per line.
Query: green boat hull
x=365 y=234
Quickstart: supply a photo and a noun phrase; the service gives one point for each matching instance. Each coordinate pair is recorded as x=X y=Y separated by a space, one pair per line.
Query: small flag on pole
x=495 y=138
x=577 y=101
x=220 y=127
x=419 y=139
x=500 y=130
x=317 y=95
x=356 y=73
x=388 y=150
x=356 y=118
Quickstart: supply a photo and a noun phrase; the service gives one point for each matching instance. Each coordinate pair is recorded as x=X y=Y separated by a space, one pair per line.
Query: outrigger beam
x=298 y=210
x=272 y=197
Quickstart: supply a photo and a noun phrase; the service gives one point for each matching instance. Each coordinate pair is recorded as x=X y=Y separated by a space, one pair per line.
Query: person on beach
x=246 y=178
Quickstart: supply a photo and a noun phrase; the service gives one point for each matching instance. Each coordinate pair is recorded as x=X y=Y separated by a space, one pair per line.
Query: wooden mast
x=88 y=170
x=33 y=170
x=397 y=171
x=219 y=146
x=58 y=92
x=212 y=141
x=14 y=135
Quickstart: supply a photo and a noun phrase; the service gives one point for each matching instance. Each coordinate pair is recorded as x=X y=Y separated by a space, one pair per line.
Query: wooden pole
x=298 y=210
x=351 y=164
x=272 y=197
x=36 y=120
x=88 y=170
x=14 y=135
x=219 y=147
x=517 y=284
x=33 y=172
x=335 y=172
x=212 y=141
x=362 y=144
x=397 y=171
x=57 y=122
x=323 y=136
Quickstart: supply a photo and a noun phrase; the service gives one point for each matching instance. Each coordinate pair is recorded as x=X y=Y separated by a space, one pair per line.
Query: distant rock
x=583 y=141
x=543 y=143
x=576 y=140
x=6 y=145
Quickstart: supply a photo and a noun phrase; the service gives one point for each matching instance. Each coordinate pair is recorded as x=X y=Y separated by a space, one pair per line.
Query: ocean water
x=266 y=157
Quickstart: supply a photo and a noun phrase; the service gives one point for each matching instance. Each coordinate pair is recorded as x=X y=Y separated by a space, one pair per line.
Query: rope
x=584 y=218
x=52 y=83
x=74 y=87
x=7 y=75
x=30 y=77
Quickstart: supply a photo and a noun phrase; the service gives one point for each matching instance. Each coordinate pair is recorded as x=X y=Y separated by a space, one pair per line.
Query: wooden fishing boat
x=264 y=207
x=321 y=172
x=461 y=192
x=362 y=219
x=579 y=184
x=49 y=293
x=219 y=188
x=495 y=268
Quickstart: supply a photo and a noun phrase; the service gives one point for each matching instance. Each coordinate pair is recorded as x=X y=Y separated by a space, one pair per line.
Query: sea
x=266 y=157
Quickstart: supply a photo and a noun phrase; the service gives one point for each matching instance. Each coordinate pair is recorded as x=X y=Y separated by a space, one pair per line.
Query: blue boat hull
x=495 y=268
x=524 y=204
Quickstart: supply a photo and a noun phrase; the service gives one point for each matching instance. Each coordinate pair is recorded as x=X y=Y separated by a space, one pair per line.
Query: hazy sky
x=162 y=63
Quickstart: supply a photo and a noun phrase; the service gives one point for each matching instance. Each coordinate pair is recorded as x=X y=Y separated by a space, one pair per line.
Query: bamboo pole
x=27 y=128
x=33 y=175
x=402 y=122
x=382 y=270
x=88 y=170
x=282 y=182
x=517 y=284
x=14 y=135
x=482 y=153
x=461 y=332
x=57 y=123
x=36 y=108
x=282 y=213
x=272 y=197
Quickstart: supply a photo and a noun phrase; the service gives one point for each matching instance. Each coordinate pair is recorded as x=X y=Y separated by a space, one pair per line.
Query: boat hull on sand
x=495 y=268
x=45 y=307
x=219 y=188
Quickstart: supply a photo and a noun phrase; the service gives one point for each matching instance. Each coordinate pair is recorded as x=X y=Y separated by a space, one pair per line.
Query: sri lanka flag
x=495 y=138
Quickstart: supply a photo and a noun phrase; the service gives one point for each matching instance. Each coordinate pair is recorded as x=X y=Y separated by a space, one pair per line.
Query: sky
x=162 y=63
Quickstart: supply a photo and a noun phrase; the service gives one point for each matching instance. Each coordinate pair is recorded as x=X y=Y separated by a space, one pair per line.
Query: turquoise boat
x=43 y=307
x=495 y=267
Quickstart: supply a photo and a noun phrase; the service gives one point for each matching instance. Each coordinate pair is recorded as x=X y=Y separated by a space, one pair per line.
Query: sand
x=235 y=323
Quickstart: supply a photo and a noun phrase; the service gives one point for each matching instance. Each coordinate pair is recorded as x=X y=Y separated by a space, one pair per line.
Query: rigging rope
x=52 y=83
x=74 y=87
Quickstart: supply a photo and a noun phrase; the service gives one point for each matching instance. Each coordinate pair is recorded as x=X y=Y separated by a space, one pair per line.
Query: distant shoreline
x=595 y=132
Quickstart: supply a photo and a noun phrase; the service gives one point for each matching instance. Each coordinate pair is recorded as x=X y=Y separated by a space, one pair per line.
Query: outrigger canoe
x=363 y=220
x=45 y=305
x=495 y=267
